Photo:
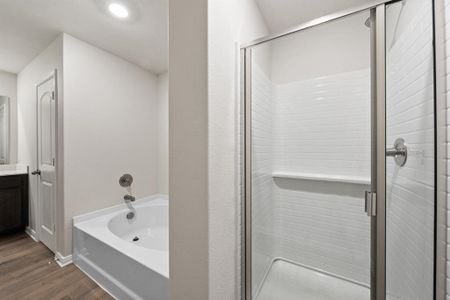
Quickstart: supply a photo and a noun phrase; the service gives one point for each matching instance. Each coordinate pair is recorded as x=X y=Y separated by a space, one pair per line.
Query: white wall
x=322 y=127
x=229 y=24
x=447 y=61
x=321 y=50
x=110 y=128
x=188 y=150
x=8 y=87
x=163 y=133
x=263 y=206
x=203 y=114
x=320 y=124
x=36 y=71
x=311 y=115
x=410 y=189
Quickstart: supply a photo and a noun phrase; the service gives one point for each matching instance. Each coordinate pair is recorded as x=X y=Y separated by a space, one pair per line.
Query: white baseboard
x=62 y=260
x=32 y=233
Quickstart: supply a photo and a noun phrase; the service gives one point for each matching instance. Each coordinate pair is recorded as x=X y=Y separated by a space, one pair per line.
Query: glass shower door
x=309 y=163
x=410 y=187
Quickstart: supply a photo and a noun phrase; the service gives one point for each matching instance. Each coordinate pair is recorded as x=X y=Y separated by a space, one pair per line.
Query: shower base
x=289 y=281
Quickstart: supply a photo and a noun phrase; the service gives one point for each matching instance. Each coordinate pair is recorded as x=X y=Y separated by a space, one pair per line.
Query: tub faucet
x=129 y=197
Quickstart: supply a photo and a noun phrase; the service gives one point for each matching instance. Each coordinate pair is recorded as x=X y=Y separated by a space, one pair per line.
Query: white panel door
x=46 y=133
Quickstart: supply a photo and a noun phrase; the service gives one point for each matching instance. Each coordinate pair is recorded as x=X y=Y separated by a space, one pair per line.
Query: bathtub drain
x=135 y=239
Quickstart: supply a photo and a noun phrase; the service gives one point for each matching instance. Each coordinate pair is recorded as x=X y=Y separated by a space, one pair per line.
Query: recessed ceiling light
x=118 y=10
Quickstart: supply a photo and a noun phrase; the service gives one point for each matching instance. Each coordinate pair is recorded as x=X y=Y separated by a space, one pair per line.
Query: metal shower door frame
x=378 y=147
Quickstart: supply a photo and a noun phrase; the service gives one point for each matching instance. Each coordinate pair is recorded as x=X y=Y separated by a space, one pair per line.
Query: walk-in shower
x=339 y=157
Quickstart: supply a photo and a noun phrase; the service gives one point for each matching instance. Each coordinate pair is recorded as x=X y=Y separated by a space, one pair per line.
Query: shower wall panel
x=410 y=189
x=263 y=204
x=321 y=127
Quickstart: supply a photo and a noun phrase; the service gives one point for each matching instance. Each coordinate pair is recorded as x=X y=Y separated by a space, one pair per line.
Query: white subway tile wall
x=322 y=126
x=410 y=189
x=263 y=211
x=447 y=54
x=319 y=126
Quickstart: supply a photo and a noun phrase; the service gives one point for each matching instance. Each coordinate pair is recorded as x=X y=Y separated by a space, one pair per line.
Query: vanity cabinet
x=13 y=203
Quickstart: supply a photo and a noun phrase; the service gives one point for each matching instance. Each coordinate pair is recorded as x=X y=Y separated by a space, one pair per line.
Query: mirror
x=4 y=130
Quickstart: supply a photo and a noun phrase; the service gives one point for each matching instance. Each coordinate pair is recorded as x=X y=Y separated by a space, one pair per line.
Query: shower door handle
x=371 y=203
x=399 y=152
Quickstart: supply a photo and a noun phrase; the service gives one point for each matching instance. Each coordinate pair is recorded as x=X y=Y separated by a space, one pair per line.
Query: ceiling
x=28 y=26
x=283 y=14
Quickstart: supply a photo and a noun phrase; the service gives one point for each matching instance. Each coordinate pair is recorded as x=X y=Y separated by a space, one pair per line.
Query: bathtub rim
x=95 y=225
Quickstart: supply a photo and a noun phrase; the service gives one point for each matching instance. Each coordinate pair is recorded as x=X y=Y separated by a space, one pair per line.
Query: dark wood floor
x=28 y=271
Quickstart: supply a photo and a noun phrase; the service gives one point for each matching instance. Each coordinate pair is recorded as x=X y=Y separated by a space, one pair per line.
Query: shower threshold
x=290 y=281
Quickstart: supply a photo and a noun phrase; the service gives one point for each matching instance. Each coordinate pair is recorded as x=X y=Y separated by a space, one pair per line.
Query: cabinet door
x=11 y=208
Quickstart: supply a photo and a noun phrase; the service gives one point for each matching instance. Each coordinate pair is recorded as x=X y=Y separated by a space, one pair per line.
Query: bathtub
x=127 y=258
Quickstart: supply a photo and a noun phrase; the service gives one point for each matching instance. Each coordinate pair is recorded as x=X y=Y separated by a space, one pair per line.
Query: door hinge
x=371 y=204
x=53 y=95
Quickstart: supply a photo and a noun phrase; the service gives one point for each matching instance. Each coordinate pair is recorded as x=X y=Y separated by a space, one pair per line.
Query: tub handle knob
x=126 y=180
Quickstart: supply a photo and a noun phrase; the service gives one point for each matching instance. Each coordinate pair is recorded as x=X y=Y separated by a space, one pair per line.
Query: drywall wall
x=35 y=72
x=110 y=128
x=188 y=150
x=203 y=110
x=163 y=133
x=8 y=88
x=320 y=51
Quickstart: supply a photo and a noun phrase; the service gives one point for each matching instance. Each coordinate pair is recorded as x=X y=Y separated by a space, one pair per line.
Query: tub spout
x=128 y=197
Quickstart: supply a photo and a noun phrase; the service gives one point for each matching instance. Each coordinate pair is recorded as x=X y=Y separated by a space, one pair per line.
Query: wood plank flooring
x=28 y=272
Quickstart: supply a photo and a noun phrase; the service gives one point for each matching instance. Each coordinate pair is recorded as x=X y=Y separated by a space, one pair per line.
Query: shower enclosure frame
x=378 y=147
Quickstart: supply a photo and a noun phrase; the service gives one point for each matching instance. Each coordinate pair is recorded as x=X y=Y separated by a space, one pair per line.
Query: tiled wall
x=447 y=54
x=410 y=189
x=299 y=128
x=322 y=126
x=262 y=205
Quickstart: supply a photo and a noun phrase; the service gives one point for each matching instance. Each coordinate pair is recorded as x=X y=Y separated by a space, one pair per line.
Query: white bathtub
x=104 y=249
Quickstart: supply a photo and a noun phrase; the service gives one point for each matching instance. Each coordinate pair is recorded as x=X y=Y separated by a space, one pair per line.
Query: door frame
x=53 y=74
x=6 y=110
x=378 y=178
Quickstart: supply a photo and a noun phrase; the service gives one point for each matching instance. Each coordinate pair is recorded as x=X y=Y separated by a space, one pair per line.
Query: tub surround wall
x=8 y=87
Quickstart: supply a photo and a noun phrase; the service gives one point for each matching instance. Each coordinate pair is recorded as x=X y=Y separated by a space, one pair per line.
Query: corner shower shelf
x=322 y=177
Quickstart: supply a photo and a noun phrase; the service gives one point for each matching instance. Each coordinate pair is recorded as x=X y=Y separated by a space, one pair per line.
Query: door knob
x=37 y=172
